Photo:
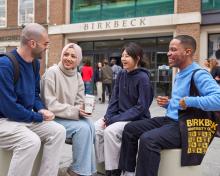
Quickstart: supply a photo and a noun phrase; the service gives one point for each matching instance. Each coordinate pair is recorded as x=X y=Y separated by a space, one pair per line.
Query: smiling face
x=178 y=55
x=69 y=59
x=128 y=62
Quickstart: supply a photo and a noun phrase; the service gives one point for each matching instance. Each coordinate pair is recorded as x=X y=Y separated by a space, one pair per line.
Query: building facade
x=101 y=27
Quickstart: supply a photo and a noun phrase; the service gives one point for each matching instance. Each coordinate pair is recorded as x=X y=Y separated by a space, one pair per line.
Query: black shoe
x=115 y=172
x=108 y=173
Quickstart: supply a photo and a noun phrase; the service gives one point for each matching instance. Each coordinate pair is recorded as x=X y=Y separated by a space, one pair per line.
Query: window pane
x=85 y=10
x=2 y=13
x=116 y=9
x=209 y=5
x=152 y=7
x=101 y=45
x=86 y=46
x=214 y=44
x=96 y=10
x=26 y=11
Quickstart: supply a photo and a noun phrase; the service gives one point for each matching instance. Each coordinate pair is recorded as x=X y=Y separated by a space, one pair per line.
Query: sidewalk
x=100 y=109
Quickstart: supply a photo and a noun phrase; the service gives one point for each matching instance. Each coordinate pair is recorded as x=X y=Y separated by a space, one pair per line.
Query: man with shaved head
x=25 y=124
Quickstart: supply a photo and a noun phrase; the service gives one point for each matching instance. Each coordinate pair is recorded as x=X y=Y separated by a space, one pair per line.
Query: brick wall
x=184 y=6
x=57 y=42
x=192 y=30
x=57 y=12
x=41 y=11
x=12 y=13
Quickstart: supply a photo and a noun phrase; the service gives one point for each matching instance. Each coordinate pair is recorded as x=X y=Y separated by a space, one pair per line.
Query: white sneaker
x=126 y=173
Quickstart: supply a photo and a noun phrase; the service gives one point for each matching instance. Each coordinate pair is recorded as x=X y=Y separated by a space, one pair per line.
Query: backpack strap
x=15 y=64
x=34 y=64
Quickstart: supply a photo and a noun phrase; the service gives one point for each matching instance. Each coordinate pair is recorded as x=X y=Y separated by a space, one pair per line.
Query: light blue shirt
x=209 y=99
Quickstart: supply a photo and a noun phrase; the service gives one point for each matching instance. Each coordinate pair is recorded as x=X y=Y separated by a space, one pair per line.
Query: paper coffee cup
x=89 y=103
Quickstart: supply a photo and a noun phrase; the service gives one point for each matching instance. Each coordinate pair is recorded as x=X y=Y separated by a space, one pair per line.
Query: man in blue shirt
x=24 y=121
x=163 y=132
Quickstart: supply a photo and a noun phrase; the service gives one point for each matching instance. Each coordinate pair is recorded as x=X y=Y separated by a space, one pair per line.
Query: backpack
x=15 y=64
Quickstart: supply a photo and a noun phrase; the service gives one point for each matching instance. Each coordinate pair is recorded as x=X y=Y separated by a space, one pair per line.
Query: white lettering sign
x=115 y=24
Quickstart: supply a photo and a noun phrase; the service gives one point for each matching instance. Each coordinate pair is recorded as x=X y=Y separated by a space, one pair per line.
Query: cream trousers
x=25 y=140
x=108 y=143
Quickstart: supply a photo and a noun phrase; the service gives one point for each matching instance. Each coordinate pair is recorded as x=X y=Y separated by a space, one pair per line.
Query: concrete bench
x=5 y=158
x=169 y=165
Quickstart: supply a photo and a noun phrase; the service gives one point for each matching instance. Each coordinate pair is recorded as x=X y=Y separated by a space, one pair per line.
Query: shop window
x=25 y=11
x=213 y=44
x=2 y=13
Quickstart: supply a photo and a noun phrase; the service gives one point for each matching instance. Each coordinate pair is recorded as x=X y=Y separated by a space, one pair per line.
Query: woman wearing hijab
x=63 y=94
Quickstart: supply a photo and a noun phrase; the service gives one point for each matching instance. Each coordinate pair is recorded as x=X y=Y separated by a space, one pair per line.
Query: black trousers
x=155 y=134
x=109 y=87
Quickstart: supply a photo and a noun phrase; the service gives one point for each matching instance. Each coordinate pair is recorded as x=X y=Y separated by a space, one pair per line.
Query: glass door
x=164 y=75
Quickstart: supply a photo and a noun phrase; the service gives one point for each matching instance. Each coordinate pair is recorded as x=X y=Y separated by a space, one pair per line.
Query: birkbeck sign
x=128 y=23
x=115 y=24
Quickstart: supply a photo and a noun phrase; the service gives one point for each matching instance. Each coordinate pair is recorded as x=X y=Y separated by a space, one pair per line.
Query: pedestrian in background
x=98 y=80
x=87 y=74
x=106 y=80
x=115 y=69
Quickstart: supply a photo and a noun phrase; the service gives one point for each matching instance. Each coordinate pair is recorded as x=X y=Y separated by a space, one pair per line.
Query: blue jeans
x=82 y=132
x=88 y=87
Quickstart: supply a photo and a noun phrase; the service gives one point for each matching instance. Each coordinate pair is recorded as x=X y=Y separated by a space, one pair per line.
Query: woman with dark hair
x=131 y=99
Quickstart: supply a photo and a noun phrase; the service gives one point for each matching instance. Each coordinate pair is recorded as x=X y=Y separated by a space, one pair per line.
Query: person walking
x=87 y=74
x=106 y=80
x=98 y=80
x=115 y=69
x=25 y=123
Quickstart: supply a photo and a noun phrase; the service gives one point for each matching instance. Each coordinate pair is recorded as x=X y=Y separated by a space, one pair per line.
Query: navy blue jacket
x=17 y=101
x=132 y=97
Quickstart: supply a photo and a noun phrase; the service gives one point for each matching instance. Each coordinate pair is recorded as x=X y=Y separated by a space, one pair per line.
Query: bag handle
x=193 y=89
